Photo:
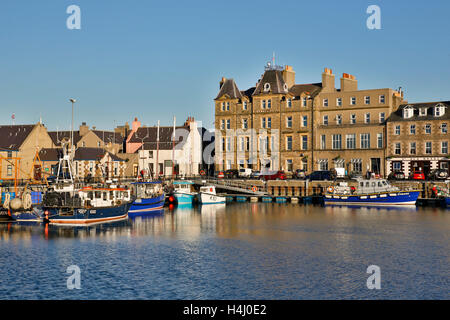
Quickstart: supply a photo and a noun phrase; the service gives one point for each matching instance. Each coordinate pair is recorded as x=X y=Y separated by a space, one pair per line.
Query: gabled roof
x=275 y=79
x=109 y=136
x=148 y=135
x=57 y=136
x=313 y=88
x=229 y=88
x=398 y=114
x=54 y=154
x=12 y=137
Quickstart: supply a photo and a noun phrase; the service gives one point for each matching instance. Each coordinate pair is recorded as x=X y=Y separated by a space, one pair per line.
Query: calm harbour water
x=241 y=251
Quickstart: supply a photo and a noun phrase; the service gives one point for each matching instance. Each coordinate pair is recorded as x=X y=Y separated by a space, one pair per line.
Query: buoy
x=15 y=204
x=254 y=189
x=202 y=172
x=330 y=189
x=171 y=199
x=6 y=201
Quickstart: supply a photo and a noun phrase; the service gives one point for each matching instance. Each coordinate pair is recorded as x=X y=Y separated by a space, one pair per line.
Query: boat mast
x=157 y=152
x=173 y=147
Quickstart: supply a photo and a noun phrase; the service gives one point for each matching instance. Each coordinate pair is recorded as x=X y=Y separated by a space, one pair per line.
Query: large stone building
x=279 y=124
x=267 y=126
x=417 y=136
x=349 y=129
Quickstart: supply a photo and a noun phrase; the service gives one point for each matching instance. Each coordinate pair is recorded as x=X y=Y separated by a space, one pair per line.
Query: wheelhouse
x=103 y=197
x=147 y=189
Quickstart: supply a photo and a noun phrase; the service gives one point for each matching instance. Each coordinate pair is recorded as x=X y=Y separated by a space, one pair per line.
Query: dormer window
x=408 y=112
x=422 y=112
x=266 y=87
x=439 y=110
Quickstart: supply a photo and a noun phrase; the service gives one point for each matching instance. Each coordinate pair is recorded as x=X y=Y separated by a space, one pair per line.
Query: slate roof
x=248 y=93
x=54 y=154
x=148 y=135
x=276 y=81
x=13 y=136
x=57 y=136
x=313 y=89
x=277 y=86
x=108 y=136
x=229 y=88
x=398 y=114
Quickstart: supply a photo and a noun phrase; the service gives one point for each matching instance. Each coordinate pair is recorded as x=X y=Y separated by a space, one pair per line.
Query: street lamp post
x=71 y=133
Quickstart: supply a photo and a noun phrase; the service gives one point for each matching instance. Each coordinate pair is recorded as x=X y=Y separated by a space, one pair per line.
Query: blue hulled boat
x=370 y=192
x=149 y=198
x=184 y=192
x=87 y=205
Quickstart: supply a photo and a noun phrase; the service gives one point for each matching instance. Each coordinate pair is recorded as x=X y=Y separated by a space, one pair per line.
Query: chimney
x=135 y=125
x=188 y=121
x=348 y=82
x=83 y=129
x=328 y=81
x=222 y=82
x=289 y=76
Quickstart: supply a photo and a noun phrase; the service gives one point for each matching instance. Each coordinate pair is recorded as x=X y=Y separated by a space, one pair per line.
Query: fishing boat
x=149 y=197
x=184 y=191
x=369 y=192
x=208 y=195
x=87 y=205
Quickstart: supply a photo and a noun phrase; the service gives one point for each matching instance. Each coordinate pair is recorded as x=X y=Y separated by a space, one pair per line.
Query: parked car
x=325 y=175
x=417 y=175
x=299 y=174
x=231 y=173
x=397 y=175
x=245 y=172
x=438 y=174
x=255 y=174
x=273 y=175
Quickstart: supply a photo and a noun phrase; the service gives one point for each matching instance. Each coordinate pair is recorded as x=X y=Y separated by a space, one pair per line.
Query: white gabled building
x=187 y=151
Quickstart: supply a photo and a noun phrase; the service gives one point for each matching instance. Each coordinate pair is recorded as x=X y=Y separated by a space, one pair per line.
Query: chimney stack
x=348 y=82
x=289 y=76
x=84 y=129
x=135 y=125
x=222 y=82
x=328 y=81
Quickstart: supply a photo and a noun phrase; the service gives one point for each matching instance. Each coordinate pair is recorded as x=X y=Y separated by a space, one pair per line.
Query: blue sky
x=156 y=59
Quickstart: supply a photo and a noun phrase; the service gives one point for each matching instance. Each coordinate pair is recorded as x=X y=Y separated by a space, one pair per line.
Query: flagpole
x=157 y=152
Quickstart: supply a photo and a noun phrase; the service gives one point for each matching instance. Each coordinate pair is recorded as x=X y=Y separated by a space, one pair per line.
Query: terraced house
x=266 y=126
x=417 y=135
x=18 y=148
x=350 y=125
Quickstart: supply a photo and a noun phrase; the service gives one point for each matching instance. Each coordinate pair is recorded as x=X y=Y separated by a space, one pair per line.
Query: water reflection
x=237 y=251
x=190 y=222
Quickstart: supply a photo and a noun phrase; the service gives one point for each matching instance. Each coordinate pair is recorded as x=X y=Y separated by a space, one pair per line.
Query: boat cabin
x=149 y=189
x=374 y=186
x=103 y=197
x=183 y=186
x=208 y=189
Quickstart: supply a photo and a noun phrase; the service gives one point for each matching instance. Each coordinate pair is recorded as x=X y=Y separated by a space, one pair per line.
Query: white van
x=245 y=172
